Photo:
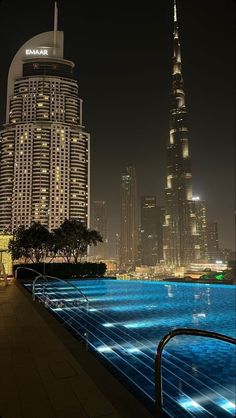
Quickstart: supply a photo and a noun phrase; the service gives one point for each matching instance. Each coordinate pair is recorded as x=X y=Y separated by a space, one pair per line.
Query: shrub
x=62 y=270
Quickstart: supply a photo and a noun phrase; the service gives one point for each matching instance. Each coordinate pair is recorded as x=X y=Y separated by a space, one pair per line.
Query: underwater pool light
x=190 y=405
x=227 y=406
x=104 y=349
x=134 y=350
x=148 y=323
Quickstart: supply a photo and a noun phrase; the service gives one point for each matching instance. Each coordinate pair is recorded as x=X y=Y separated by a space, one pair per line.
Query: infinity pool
x=124 y=322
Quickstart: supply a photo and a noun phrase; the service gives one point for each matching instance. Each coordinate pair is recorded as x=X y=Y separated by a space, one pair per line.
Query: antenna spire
x=175 y=11
x=55 y=28
x=177 y=51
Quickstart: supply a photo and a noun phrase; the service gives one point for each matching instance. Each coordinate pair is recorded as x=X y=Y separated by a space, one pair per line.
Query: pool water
x=124 y=322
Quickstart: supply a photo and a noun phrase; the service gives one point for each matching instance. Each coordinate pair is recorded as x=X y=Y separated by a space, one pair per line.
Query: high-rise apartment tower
x=198 y=228
x=129 y=227
x=213 y=241
x=44 y=151
x=151 y=231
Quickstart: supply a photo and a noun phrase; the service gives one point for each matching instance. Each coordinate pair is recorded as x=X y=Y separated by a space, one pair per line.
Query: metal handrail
x=25 y=268
x=161 y=345
x=61 y=280
x=34 y=282
x=50 y=277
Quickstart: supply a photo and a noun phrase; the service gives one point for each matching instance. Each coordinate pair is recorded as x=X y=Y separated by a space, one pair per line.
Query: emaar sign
x=36 y=51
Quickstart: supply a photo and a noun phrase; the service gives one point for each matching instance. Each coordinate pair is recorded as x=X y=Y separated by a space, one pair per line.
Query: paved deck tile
x=40 y=378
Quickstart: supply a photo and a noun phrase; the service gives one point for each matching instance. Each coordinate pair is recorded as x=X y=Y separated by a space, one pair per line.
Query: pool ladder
x=158 y=360
x=46 y=277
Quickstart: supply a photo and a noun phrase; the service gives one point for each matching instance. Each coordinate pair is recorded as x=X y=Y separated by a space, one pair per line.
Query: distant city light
x=196 y=198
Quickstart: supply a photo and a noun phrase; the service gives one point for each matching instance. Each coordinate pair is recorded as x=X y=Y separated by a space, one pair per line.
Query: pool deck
x=47 y=373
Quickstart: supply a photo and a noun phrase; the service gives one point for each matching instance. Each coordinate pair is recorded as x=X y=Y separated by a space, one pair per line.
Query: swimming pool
x=125 y=320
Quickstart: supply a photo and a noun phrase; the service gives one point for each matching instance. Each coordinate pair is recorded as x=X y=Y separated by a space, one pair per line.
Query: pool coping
x=126 y=404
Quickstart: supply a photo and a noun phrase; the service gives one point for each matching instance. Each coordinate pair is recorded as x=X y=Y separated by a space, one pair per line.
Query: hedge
x=62 y=270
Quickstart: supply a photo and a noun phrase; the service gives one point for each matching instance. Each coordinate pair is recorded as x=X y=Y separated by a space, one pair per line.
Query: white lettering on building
x=36 y=52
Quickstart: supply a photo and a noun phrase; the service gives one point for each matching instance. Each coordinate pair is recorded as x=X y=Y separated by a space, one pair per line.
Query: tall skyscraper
x=213 y=241
x=99 y=223
x=151 y=231
x=177 y=234
x=44 y=151
x=198 y=228
x=129 y=227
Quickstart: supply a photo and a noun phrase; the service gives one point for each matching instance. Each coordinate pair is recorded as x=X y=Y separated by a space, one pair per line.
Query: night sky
x=123 y=57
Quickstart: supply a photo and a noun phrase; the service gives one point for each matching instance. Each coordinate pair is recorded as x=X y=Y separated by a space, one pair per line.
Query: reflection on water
x=200 y=302
x=170 y=293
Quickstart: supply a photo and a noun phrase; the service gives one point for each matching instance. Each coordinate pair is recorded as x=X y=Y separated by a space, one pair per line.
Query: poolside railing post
x=158 y=377
x=33 y=291
x=158 y=387
x=86 y=340
x=44 y=259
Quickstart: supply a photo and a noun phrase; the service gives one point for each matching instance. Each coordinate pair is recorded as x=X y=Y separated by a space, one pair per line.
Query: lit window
x=185 y=150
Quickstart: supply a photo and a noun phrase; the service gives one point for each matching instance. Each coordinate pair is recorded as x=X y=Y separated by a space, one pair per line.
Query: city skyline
x=116 y=138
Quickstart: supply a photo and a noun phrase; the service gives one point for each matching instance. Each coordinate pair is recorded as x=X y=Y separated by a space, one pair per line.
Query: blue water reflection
x=125 y=320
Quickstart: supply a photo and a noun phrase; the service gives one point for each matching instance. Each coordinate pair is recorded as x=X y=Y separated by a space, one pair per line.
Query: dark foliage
x=62 y=270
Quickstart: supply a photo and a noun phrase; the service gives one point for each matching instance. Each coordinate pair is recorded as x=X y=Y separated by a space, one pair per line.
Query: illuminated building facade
x=99 y=223
x=177 y=229
x=213 y=241
x=151 y=231
x=44 y=167
x=129 y=227
x=198 y=228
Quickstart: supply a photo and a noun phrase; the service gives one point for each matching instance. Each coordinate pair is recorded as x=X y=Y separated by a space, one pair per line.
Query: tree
x=32 y=243
x=72 y=239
